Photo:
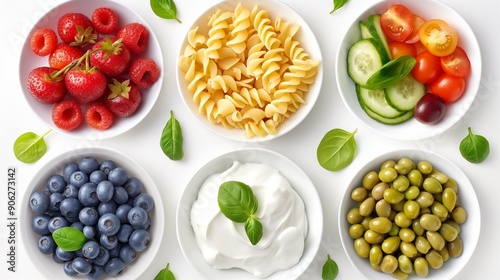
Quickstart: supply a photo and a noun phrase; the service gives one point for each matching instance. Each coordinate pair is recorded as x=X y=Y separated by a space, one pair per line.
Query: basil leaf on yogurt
x=474 y=148
x=253 y=228
x=69 y=239
x=337 y=149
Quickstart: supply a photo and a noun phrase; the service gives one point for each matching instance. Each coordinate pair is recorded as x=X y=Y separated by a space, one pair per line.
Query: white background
x=200 y=146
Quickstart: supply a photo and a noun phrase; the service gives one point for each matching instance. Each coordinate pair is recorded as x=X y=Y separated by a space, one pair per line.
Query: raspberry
x=135 y=37
x=67 y=115
x=99 y=116
x=43 y=41
x=144 y=72
x=104 y=20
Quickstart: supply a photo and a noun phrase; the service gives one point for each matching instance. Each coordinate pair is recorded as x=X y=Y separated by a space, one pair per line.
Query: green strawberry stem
x=75 y=63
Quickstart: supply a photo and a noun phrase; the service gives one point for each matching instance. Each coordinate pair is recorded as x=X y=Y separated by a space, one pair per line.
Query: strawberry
x=46 y=85
x=111 y=56
x=63 y=55
x=67 y=115
x=99 y=116
x=122 y=98
x=76 y=29
x=85 y=84
x=144 y=72
x=135 y=36
x=104 y=20
x=43 y=41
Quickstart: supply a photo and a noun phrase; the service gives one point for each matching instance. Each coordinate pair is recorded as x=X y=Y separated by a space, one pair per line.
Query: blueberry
x=120 y=195
x=122 y=212
x=108 y=224
x=55 y=200
x=106 y=166
x=88 y=164
x=56 y=184
x=39 y=202
x=70 y=191
x=107 y=207
x=88 y=216
x=78 y=178
x=133 y=187
x=90 y=249
x=89 y=232
x=118 y=176
x=124 y=233
x=82 y=265
x=115 y=252
x=68 y=269
x=105 y=190
x=97 y=176
x=64 y=255
x=72 y=219
x=56 y=259
x=40 y=224
x=57 y=222
x=139 y=240
x=46 y=244
x=70 y=207
x=127 y=254
x=108 y=241
x=96 y=272
x=69 y=169
x=137 y=217
x=102 y=257
x=114 y=267
x=78 y=225
x=145 y=201
x=87 y=194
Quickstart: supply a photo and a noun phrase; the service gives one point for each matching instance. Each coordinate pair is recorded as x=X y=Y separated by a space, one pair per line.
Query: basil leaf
x=337 y=149
x=330 y=269
x=391 y=72
x=237 y=201
x=337 y=4
x=474 y=148
x=165 y=9
x=165 y=274
x=69 y=239
x=30 y=147
x=171 y=139
x=254 y=230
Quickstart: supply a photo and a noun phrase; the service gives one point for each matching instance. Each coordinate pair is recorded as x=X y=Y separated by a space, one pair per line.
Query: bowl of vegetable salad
x=408 y=70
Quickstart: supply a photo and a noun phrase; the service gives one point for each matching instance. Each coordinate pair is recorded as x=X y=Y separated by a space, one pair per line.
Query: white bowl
x=44 y=263
x=468 y=200
x=29 y=61
x=299 y=181
x=307 y=41
x=412 y=129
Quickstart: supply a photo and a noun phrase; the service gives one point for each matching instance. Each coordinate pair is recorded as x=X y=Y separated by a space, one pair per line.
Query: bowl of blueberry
x=92 y=214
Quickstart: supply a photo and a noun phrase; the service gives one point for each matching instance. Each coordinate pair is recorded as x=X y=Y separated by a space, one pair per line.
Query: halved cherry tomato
x=427 y=67
x=457 y=63
x=438 y=37
x=397 y=22
x=399 y=49
x=413 y=37
x=448 y=87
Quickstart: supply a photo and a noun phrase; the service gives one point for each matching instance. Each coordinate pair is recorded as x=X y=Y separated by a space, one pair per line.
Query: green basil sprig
x=69 y=239
x=30 y=147
x=391 y=72
x=165 y=274
x=337 y=149
x=171 y=139
x=330 y=269
x=474 y=148
x=238 y=203
x=337 y=4
x=165 y=9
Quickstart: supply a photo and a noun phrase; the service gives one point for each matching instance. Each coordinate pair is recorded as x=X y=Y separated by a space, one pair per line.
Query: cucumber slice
x=390 y=121
x=365 y=30
x=374 y=99
x=376 y=30
x=363 y=59
x=405 y=94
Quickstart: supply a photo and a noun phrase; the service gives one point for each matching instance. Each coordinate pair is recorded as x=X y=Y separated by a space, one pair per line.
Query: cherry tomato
x=399 y=49
x=413 y=37
x=430 y=109
x=456 y=64
x=438 y=37
x=427 y=67
x=397 y=22
x=448 y=87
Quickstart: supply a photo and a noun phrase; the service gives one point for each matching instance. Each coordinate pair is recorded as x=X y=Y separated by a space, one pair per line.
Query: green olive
x=401 y=183
x=448 y=232
x=454 y=224
x=389 y=264
x=452 y=184
x=376 y=255
x=405 y=264
x=439 y=210
x=391 y=244
x=432 y=185
x=402 y=220
x=381 y=225
x=383 y=208
x=434 y=259
x=438 y=197
x=388 y=163
x=353 y=216
x=408 y=249
x=425 y=211
x=415 y=177
x=399 y=207
x=424 y=199
x=394 y=230
x=404 y=165
x=359 y=194
x=373 y=237
x=400 y=275
x=421 y=267
x=441 y=177
x=356 y=231
x=449 y=199
x=362 y=247
x=430 y=222
x=445 y=254
x=366 y=207
x=412 y=193
x=455 y=248
x=435 y=239
x=411 y=209
x=370 y=180
x=393 y=196
x=378 y=190
x=422 y=244
x=406 y=235
x=387 y=174
x=366 y=222
x=424 y=167
x=417 y=227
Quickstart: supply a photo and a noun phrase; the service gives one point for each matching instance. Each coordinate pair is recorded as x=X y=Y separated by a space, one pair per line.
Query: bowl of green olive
x=409 y=213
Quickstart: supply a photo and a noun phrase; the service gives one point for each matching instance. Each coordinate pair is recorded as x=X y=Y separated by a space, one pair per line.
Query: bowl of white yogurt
x=289 y=210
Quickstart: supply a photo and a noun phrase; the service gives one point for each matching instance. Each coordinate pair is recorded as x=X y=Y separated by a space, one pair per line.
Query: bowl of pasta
x=249 y=71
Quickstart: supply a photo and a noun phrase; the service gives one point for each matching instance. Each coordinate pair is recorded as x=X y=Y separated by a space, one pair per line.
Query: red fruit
x=111 y=56
x=43 y=41
x=85 y=85
x=144 y=72
x=135 y=37
x=99 y=116
x=63 y=55
x=76 y=29
x=45 y=85
x=123 y=98
x=104 y=20
x=67 y=115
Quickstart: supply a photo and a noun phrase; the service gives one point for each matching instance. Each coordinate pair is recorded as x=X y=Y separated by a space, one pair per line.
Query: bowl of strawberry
x=91 y=70
x=409 y=70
